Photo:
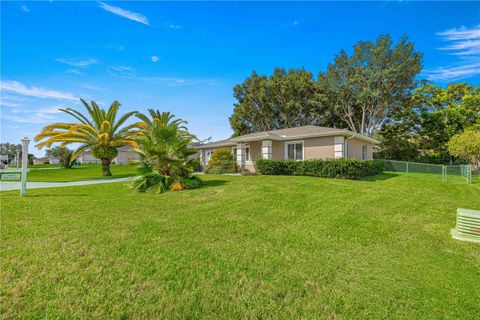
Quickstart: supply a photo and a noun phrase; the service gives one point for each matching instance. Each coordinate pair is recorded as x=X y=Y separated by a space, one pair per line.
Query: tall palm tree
x=98 y=130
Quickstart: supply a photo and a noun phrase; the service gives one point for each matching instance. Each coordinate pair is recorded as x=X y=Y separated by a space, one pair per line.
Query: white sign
x=10 y=176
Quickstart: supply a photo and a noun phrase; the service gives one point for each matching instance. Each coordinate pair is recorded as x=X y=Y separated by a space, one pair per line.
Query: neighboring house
x=124 y=155
x=299 y=143
x=45 y=160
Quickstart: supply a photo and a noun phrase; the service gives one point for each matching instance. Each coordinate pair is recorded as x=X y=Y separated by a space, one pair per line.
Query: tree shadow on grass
x=381 y=177
x=213 y=183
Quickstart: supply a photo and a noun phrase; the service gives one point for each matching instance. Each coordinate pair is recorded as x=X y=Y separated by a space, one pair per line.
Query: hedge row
x=334 y=168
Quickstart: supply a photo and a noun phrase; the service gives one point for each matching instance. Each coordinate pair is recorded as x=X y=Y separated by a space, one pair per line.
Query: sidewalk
x=16 y=185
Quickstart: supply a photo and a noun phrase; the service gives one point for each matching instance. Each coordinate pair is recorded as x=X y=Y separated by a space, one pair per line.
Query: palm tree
x=99 y=130
x=160 y=119
x=165 y=147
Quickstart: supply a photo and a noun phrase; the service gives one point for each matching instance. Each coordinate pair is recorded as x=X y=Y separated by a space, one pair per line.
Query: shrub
x=221 y=162
x=333 y=168
x=225 y=166
x=196 y=166
x=152 y=180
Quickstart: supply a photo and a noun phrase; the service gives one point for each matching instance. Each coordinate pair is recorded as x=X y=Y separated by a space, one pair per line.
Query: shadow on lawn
x=213 y=183
x=381 y=177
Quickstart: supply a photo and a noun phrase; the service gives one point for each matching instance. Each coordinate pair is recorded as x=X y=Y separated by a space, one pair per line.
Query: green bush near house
x=196 y=166
x=222 y=161
x=226 y=166
x=333 y=168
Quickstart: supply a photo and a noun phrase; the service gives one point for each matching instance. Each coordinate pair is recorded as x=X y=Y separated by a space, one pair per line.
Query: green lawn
x=84 y=172
x=242 y=247
x=41 y=166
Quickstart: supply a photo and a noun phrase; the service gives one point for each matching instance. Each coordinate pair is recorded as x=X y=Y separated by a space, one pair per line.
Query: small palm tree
x=164 y=145
x=161 y=120
x=99 y=130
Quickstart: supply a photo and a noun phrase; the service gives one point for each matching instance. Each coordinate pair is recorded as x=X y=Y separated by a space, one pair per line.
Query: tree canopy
x=421 y=130
x=284 y=99
x=358 y=92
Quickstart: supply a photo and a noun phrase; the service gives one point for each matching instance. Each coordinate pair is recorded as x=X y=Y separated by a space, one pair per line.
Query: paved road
x=16 y=185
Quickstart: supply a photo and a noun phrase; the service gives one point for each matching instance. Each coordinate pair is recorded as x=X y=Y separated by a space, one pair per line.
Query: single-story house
x=45 y=160
x=299 y=143
x=125 y=154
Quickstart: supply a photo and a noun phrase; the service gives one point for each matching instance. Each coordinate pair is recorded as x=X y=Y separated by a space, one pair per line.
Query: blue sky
x=186 y=57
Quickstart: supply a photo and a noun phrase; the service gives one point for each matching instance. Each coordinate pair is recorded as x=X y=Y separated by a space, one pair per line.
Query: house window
x=364 y=152
x=234 y=151
x=247 y=153
x=208 y=154
x=294 y=151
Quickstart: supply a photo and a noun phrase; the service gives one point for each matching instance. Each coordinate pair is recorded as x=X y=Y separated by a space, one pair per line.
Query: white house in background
x=299 y=143
x=45 y=160
x=125 y=154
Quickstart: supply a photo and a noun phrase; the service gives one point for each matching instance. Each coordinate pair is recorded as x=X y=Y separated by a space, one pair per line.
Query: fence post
x=444 y=173
x=407 y=166
x=469 y=173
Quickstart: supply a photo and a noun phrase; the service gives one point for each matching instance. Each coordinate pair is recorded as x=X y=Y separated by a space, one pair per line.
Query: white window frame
x=365 y=155
x=207 y=156
x=248 y=154
x=234 y=152
x=287 y=143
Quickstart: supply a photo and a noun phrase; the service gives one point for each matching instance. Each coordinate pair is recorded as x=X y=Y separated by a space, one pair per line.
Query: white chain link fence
x=462 y=170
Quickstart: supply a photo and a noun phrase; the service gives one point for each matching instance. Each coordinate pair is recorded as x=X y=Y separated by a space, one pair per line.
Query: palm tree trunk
x=106 y=167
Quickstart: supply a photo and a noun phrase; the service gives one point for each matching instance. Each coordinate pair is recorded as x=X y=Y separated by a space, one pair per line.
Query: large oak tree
x=370 y=85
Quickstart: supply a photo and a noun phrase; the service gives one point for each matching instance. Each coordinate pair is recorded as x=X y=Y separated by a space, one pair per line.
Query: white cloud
x=465 y=44
x=36 y=117
x=80 y=63
x=10 y=101
x=50 y=110
x=125 y=13
x=21 y=89
x=122 y=69
x=463 y=41
x=25 y=8
x=75 y=71
x=92 y=87
x=7 y=103
x=461 y=33
x=454 y=72
x=174 y=26
x=155 y=59
x=130 y=73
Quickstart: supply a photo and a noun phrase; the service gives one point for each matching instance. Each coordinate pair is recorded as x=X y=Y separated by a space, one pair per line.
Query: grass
x=242 y=247
x=84 y=172
x=41 y=166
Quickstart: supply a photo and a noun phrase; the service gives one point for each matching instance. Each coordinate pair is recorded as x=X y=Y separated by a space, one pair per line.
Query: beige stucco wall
x=319 y=148
x=314 y=148
x=278 y=150
x=354 y=149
